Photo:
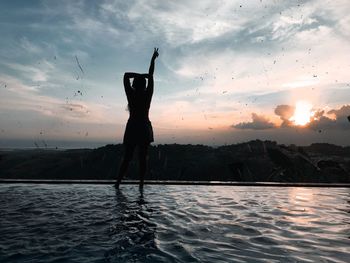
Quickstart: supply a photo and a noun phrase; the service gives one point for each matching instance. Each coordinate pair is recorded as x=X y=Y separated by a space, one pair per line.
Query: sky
x=228 y=71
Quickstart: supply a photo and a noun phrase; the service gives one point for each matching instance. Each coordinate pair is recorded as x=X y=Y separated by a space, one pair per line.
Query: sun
x=302 y=114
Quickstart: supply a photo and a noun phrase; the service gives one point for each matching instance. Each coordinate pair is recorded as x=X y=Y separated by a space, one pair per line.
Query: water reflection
x=301 y=206
x=133 y=234
x=173 y=224
x=317 y=207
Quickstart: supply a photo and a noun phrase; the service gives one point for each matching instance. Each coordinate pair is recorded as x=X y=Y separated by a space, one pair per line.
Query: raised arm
x=151 y=71
x=151 y=67
x=127 y=77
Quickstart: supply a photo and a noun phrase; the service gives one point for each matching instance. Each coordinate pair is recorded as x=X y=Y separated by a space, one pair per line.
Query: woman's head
x=139 y=83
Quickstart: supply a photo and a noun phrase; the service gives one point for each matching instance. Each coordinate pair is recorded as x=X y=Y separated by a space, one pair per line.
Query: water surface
x=96 y=223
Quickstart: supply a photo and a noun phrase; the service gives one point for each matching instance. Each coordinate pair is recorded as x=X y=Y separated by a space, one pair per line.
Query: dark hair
x=139 y=83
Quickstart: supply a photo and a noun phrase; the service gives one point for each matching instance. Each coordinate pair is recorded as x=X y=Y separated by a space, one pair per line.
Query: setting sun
x=302 y=114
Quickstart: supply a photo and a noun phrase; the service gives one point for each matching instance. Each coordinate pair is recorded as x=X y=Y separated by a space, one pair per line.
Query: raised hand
x=155 y=53
x=151 y=66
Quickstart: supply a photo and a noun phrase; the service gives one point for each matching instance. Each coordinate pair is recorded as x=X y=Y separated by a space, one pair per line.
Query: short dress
x=138 y=131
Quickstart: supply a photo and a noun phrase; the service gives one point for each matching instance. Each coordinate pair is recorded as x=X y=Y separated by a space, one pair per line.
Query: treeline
x=259 y=161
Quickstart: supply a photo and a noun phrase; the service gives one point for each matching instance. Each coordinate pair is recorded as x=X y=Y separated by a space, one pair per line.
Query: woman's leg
x=143 y=160
x=128 y=153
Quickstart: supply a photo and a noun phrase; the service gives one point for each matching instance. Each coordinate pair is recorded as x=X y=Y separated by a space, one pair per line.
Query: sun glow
x=303 y=113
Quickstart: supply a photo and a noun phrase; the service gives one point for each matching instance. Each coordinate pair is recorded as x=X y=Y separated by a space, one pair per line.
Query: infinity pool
x=96 y=223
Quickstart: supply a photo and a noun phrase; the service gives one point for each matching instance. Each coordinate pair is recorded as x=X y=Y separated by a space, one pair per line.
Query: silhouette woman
x=138 y=131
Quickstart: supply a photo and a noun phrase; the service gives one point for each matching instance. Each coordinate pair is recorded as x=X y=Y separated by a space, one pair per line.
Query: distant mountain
x=328 y=149
x=254 y=161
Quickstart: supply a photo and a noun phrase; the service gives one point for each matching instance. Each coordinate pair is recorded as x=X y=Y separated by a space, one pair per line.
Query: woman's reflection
x=133 y=233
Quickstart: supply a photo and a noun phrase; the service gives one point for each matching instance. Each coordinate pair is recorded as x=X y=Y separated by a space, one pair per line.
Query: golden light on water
x=301 y=203
x=303 y=113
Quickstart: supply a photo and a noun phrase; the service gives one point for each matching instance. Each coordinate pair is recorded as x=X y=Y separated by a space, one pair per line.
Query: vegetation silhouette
x=253 y=161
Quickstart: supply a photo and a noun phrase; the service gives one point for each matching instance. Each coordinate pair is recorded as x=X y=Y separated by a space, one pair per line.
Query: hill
x=254 y=161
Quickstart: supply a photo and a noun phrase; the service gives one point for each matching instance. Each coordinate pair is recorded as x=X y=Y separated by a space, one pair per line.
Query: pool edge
x=156 y=182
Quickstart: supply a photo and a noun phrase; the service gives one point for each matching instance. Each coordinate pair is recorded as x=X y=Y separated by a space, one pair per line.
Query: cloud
x=259 y=122
x=215 y=60
x=320 y=120
x=285 y=112
x=184 y=22
x=28 y=46
x=37 y=73
x=341 y=113
x=17 y=96
x=339 y=122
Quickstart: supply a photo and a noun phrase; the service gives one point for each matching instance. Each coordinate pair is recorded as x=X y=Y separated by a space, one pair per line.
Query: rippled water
x=86 y=223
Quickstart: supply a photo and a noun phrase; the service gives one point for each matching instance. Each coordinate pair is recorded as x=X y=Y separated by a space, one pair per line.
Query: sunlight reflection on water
x=87 y=223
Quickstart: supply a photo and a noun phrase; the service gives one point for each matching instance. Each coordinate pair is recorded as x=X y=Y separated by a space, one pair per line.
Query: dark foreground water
x=86 y=223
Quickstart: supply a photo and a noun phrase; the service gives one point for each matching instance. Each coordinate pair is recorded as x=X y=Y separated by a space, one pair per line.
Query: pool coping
x=170 y=182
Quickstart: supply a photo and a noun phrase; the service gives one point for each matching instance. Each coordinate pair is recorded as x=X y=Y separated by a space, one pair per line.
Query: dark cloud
x=343 y=112
x=322 y=123
x=259 y=122
x=339 y=122
x=318 y=114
